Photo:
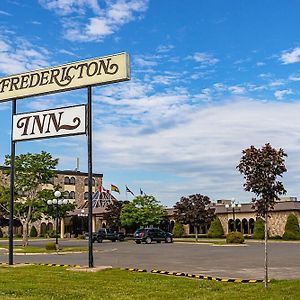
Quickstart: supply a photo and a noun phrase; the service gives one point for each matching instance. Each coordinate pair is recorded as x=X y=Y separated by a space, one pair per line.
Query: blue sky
x=209 y=78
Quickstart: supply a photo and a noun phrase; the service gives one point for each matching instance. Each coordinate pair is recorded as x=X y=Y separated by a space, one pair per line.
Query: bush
x=80 y=237
x=1 y=233
x=259 y=229
x=275 y=237
x=235 y=238
x=18 y=235
x=33 y=232
x=216 y=229
x=51 y=233
x=291 y=230
x=178 y=230
x=50 y=246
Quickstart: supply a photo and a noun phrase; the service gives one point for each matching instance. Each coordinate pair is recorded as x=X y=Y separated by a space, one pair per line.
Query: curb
x=41 y=264
x=177 y=274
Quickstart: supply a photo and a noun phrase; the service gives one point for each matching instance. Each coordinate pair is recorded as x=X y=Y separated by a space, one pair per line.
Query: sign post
x=12 y=188
x=90 y=176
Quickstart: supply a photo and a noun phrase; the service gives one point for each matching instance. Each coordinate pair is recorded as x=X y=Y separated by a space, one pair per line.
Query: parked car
x=147 y=235
x=107 y=234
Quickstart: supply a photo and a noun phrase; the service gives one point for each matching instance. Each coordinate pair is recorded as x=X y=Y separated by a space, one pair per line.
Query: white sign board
x=50 y=123
x=96 y=71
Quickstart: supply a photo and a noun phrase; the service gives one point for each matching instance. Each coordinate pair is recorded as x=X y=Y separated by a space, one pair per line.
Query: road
x=245 y=262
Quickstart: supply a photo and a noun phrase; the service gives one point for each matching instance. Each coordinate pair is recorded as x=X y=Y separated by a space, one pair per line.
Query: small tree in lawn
x=178 y=230
x=259 y=229
x=194 y=210
x=260 y=168
x=216 y=229
x=142 y=211
x=31 y=172
x=291 y=230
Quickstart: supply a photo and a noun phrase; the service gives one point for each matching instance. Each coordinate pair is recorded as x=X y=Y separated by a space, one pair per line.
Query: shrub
x=216 y=229
x=50 y=246
x=51 y=233
x=259 y=229
x=291 y=230
x=18 y=235
x=235 y=238
x=80 y=237
x=275 y=237
x=178 y=230
x=1 y=233
x=33 y=232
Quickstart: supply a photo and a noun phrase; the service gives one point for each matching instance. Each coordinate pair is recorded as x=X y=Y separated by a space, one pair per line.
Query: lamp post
x=56 y=203
x=233 y=206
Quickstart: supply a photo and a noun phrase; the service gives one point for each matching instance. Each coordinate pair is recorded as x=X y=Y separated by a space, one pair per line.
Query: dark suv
x=148 y=235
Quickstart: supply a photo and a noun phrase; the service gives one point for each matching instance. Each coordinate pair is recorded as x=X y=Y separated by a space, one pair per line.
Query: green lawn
x=39 y=282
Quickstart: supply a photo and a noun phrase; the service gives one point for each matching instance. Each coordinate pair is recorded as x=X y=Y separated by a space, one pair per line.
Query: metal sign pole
x=90 y=176
x=12 y=188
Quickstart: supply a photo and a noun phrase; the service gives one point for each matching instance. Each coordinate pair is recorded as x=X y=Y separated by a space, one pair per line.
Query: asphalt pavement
x=245 y=261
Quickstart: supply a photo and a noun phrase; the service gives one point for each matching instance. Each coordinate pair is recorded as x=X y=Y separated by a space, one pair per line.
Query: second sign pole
x=90 y=176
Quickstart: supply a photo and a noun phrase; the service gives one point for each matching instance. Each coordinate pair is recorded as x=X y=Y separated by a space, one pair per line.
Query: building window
x=66 y=180
x=86 y=195
x=86 y=181
x=72 y=195
x=66 y=195
x=72 y=180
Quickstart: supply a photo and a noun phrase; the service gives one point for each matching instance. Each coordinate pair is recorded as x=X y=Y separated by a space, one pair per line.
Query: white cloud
x=294 y=78
x=204 y=58
x=18 y=55
x=277 y=82
x=4 y=13
x=235 y=89
x=107 y=18
x=290 y=57
x=164 y=48
x=279 y=95
x=200 y=144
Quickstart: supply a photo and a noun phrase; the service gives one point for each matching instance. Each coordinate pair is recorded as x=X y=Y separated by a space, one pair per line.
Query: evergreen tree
x=33 y=232
x=259 y=229
x=291 y=230
x=216 y=229
x=178 y=230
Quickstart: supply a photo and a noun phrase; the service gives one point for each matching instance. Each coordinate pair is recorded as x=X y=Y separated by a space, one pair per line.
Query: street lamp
x=56 y=203
x=233 y=206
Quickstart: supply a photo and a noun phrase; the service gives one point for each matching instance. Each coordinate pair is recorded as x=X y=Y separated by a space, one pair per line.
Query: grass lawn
x=39 y=282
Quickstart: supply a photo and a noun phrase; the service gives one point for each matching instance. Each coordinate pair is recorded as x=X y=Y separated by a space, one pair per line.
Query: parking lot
x=216 y=260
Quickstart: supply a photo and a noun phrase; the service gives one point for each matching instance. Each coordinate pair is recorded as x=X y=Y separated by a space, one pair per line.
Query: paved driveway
x=222 y=261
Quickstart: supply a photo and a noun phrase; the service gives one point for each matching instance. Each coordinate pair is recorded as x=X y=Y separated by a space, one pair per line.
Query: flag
x=129 y=191
x=141 y=192
x=114 y=188
x=103 y=190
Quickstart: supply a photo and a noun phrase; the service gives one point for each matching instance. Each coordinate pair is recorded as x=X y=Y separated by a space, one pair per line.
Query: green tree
x=178 y=230
x=33 y=232
x=291 y=230
x=4 y=200
x=216 y=229
x=142 y=211
x=31 y=172
x=261 y=169
x=112 y=214
x=195 y=211
x=259 y=229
